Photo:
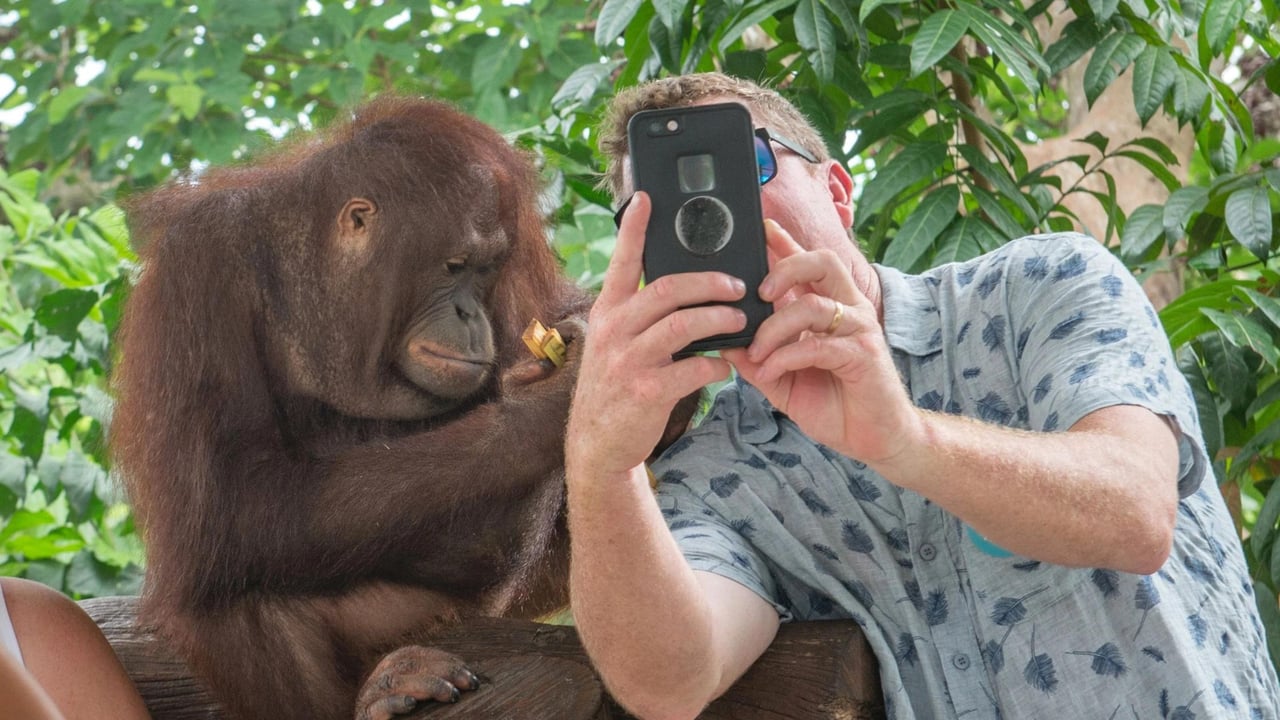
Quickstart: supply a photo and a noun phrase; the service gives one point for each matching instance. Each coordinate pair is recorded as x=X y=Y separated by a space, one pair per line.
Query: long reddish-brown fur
x=290 y=545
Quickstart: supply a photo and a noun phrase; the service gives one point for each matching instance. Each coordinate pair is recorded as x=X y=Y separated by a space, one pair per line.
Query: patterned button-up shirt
x=1034 y=335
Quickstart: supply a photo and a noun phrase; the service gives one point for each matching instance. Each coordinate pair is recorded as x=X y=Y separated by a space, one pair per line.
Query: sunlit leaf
x=1154 y=73
x=613 y=19
x=1245 y=332
x=1220 y=20
x=937 y=35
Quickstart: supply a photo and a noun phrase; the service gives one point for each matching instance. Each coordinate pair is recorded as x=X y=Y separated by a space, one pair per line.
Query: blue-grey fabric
x=1034 y=335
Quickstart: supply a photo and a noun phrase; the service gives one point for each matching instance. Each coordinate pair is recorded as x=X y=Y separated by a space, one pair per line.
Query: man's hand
x=628 y=381
x=822 y=358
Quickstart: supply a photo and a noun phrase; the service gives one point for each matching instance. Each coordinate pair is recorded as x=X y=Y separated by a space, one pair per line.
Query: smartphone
x=699 y=166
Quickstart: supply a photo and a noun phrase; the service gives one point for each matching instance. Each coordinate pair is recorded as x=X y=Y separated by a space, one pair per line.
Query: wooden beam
x=532 y=671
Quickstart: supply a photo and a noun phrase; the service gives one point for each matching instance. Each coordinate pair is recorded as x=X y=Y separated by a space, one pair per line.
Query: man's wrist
x=918 y=441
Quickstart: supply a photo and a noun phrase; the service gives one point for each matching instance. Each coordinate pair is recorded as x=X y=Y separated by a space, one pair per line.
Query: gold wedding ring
x=835 y=319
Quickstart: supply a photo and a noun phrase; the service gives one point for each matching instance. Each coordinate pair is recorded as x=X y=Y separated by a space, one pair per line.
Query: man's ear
x=840 y=185
x=355 y=226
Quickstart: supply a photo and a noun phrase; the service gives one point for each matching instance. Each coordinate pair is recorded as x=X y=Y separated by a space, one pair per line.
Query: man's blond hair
x=767 y=106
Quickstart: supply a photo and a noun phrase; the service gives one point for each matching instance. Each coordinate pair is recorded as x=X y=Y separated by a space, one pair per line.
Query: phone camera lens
x=655 y=127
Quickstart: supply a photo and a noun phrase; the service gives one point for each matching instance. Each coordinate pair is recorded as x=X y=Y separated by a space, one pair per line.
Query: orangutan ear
x=355 y=226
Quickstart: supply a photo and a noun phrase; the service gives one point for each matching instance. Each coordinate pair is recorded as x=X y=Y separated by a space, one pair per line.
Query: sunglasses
x=766 y=160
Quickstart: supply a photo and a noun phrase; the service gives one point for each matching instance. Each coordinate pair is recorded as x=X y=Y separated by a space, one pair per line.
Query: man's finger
x=622 y=278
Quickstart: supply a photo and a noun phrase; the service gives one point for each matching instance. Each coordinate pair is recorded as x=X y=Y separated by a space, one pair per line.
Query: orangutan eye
x=455 y=265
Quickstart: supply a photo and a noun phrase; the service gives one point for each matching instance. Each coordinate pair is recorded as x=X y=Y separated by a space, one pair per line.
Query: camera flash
x=673 y=125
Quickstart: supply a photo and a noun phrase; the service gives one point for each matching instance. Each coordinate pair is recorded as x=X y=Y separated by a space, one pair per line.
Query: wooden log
x=533 y=671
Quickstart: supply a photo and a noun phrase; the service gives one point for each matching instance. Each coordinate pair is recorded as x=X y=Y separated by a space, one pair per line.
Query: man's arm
x=665 y=639
x=1103 y=494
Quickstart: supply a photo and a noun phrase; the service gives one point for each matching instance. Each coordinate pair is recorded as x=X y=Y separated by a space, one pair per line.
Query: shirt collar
x=912 y=323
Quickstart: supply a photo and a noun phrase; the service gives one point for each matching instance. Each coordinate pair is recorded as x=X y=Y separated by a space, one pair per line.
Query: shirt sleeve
x=690 y=473
x=1088 y=338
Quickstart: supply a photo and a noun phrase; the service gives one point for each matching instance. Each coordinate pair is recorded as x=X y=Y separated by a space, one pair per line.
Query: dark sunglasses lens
x=765 y=159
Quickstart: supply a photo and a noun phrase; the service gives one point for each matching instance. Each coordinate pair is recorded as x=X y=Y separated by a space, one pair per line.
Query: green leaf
x=937 y=35
x=1154 y=72
x=670 y=12
x=913 y=164
x=757 y=15
x=999 y=177
x=67 y=100
x=1206 y=404
x=23 y=521
x=1158 y=169
x=1097 y=140
x=1181 y=205
x=1264 y=594
x=61 y=311
x=1113 y=55
x=1248 y=215
x=991 y=206
x=1182 y=319
x=960 y=242
x=1104 y=9
x=1190 y=92
x=187 y=98
x=894 y=111
x=583 y=84
x=89 y=577
x=1245 y=332
x=1143 y=228
x=1078 y=37
x=869 y=6
x=922 y=227
x=1269 y=306
x=74 y=473
x=1220 y=20
x=13 y=473
x=1265 y=526
x=1155 y=147
x=613 y=20
x=817 y=35
x=1225 y=365
x=840 y=9
x=1011 y=48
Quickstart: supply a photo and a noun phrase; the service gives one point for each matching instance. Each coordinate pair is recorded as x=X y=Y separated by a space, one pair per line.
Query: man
x=995 y=468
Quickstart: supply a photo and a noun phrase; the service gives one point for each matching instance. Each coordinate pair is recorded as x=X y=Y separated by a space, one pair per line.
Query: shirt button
x=961 y=661
x=928 y=552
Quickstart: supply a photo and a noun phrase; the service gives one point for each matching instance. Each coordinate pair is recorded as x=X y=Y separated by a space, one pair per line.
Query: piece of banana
x=545 y=343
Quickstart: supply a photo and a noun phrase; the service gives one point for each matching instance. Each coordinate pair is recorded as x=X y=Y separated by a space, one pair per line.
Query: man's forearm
x=637 y=605
x=1103 y=494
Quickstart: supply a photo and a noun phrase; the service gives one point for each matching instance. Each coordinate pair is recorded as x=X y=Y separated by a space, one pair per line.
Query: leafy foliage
x=65 y=278
x=928 y=103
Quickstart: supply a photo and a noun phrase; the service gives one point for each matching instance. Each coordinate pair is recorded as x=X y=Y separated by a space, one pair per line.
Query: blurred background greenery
x=1151 y=124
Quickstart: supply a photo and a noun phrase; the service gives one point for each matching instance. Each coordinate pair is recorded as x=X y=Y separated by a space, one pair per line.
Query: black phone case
x=724 y=133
